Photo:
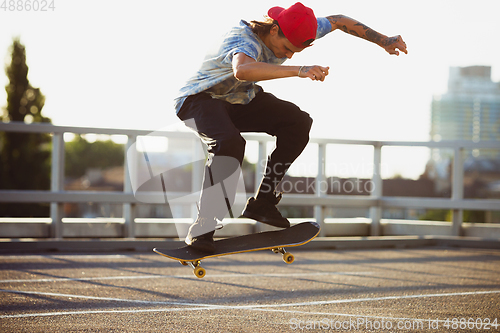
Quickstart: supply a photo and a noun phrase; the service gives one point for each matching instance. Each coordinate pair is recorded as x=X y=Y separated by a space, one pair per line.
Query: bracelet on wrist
x=300 y=70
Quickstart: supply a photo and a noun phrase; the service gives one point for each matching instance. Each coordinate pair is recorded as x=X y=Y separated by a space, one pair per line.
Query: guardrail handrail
x=375 y=201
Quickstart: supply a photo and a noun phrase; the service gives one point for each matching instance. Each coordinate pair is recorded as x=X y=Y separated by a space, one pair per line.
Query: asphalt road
x=384 y=290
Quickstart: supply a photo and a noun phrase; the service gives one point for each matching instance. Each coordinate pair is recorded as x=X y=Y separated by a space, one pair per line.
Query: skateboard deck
x=276 y=241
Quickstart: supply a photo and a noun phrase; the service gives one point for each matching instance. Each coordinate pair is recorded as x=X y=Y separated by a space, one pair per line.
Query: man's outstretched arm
x=358 y=29
x=246 y=68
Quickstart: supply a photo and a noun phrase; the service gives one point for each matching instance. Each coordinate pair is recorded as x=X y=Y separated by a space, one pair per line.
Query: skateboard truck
x=287 y=256
x=197 y=269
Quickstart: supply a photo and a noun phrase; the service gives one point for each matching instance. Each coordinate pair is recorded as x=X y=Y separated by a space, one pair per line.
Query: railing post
x=57 y=184
x=130 y=171
x=376 y=193
x=259 y=174
x=457 y=190
x=320 y=190
x=196 y=175
x=262 y=159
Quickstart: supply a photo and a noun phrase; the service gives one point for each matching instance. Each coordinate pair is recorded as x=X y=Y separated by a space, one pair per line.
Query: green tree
x=82 y=155
x=24 y=157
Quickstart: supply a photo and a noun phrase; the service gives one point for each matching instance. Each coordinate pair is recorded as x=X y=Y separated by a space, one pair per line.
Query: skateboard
x=276 y=241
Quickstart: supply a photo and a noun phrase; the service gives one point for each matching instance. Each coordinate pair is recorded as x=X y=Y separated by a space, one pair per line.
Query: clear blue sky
x=119 y=63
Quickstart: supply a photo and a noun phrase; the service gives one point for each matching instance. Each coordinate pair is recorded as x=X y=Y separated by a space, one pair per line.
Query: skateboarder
x=224 y=100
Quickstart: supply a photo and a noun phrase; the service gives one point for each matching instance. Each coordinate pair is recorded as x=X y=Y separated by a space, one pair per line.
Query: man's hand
x=392 y=44
x=315 y=73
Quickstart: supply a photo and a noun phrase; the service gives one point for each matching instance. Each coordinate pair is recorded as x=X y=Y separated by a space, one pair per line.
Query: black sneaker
x=264 y=210
x=201 y=235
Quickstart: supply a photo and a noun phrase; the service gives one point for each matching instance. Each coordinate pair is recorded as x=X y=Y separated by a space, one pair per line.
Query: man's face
x=281 y=46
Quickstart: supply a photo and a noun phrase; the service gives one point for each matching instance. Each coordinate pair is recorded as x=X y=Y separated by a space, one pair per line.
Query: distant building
x=469 y=110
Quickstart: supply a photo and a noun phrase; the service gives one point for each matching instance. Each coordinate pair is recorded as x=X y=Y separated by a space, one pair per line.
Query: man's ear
x=274 y=30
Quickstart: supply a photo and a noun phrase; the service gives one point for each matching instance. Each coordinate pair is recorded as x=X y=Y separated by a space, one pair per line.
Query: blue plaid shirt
x=216 y=73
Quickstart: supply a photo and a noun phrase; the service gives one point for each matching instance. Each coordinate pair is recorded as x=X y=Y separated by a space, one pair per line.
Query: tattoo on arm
x=306 y=69
x=389 y=41
x=333 y=19
x=350 y=32
x=365 y=32
x=373 y=36
x=362 y=26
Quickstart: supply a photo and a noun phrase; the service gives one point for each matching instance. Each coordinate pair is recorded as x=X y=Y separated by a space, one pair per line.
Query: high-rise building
x=469 y=110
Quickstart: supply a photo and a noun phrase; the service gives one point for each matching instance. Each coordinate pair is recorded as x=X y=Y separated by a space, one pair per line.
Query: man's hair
x=262 y=28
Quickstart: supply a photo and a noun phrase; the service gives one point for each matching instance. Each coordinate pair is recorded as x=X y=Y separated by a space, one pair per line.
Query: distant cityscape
x=469 y=110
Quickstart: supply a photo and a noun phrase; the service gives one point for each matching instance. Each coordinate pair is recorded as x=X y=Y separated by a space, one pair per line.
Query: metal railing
x=57 y=196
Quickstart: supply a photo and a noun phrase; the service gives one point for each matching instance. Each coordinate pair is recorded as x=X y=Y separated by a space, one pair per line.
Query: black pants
x=219 y=125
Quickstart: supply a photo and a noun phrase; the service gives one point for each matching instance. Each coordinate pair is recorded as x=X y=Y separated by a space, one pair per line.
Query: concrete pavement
x=429 y=289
